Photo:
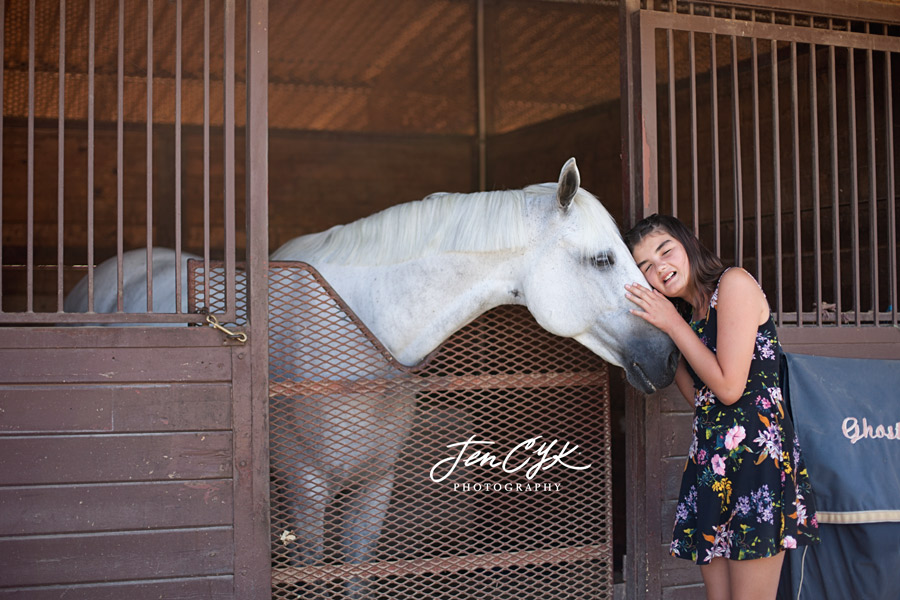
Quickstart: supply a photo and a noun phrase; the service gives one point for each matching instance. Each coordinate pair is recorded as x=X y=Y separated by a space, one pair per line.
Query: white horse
x=415 y=274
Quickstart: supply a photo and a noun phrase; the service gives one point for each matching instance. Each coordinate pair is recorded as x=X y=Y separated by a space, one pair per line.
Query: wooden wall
x=118 y=464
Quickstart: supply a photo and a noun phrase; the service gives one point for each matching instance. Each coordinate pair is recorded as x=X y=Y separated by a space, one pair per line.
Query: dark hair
x=706 y=267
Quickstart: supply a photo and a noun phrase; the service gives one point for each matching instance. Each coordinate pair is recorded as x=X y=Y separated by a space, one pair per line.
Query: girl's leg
x=717 y=579
x=755 y=579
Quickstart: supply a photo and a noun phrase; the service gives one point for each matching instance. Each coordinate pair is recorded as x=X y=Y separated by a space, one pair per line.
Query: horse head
x=575 y=284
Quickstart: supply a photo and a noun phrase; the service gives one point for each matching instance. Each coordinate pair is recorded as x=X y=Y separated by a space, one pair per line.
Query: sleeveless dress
x=745 y=492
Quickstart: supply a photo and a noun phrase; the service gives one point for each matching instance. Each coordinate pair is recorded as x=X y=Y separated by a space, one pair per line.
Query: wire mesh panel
x=484 y=472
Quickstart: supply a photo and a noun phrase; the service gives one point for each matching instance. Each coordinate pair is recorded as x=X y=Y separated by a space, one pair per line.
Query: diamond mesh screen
x=484 y=472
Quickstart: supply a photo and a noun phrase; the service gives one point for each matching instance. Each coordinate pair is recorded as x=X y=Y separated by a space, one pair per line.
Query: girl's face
x=663 y=261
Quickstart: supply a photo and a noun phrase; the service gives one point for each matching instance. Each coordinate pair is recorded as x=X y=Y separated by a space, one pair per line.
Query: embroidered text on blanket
x=854 y=431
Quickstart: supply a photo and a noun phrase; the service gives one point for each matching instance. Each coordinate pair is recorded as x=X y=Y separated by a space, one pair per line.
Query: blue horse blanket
x=846 y=413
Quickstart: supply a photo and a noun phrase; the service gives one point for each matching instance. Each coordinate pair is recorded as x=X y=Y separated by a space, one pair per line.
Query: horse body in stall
x=415 y=274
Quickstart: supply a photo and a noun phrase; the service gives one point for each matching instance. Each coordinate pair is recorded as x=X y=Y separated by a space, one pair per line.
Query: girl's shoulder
x=737 y=285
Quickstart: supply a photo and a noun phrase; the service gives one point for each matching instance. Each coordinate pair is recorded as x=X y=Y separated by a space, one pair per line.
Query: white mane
x=445 y=222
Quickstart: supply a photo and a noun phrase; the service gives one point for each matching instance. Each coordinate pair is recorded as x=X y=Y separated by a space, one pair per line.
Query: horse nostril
x=672 y=361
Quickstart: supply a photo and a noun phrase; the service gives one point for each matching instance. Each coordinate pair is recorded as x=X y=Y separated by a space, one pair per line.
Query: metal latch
x=238 y=336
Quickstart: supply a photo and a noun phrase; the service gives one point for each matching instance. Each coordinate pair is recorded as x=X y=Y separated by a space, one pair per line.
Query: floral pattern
x=745 y=492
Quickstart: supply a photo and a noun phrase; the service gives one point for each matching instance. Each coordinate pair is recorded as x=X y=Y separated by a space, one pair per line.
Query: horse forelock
x=443 y=222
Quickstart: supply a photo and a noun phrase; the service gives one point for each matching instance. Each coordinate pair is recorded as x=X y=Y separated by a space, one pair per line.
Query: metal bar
x=206 y=175
x=817 y=217
x=769 y=31
x=426 y=566
x=229 y=166
x=695 y=169
x=92 y=33
x=673 y=152
x=251 y=529
x=177 y=224
x=795 y=176
x=873 y=183
x=851 y=9
x=757 y=167
x=776 y=176
x=51 y=318
x=714 y=131
x=890 y=183
x=60 y=159
x=30 y=191
x=2 y=91
x=649 y=147
x=738 y=172
x=835 y=183
x=854 y=182
x=120 y=163
x=150 y=156
x=481 y=83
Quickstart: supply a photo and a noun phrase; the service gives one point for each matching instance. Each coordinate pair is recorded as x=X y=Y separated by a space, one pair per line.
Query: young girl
x=745 y=492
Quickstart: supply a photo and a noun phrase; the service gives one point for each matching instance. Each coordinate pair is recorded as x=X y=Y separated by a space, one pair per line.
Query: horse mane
x=443 y=222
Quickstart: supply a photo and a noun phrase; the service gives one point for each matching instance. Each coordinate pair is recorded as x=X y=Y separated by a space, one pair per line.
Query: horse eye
x=603 y=260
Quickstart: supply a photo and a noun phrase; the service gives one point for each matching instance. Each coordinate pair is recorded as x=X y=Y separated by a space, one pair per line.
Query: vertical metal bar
x=835 y=186
x=178 y=25
x=873 y=184
x=695 y=170
x=120 y=163
x=251 y=527
x=206 y=176
x=854 y=181
x=481 y=84
x=149 y=156
x=776 y=176
x=90 y=149
x=649 y=148
x=714 y=132
x=738 y=171
x=29 y=226
x=2 y=91
x=228 y=123
x=673 y=152
x=814 y=134
x=60 y=160
x=890 y=183
x=757 y=174
x=795 y=175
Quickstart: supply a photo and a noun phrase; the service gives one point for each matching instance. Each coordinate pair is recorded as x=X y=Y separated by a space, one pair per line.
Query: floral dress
x=745 y=492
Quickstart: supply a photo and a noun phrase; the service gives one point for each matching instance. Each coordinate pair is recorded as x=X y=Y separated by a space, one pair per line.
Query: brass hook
x=239 y=336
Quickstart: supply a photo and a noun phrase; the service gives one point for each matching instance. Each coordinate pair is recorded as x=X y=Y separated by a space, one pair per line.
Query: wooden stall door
x=125 y=465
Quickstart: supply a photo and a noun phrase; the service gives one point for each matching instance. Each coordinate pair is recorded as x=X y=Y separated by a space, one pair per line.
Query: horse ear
x=569 y=180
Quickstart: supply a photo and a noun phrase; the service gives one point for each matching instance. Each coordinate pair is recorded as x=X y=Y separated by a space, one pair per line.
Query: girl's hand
x=653 y=307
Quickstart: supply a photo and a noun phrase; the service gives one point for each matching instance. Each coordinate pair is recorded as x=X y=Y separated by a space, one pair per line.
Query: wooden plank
x=110 y=507
x=684 y=592
x=843 y=342
x=114 y=365
x=676 y=431
x=674 y=571
x=208 y=588
x=115 y=408
x=110 y=458
x=198 y=338
x=56 y=559
x=672 y=469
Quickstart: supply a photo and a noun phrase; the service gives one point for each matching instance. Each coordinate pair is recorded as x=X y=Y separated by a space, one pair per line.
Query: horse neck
x=415 y=306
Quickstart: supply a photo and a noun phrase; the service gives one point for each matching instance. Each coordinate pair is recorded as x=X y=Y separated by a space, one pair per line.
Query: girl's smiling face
x=663 y=261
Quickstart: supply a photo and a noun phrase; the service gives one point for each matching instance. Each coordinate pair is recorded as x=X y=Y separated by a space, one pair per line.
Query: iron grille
x=364 y=502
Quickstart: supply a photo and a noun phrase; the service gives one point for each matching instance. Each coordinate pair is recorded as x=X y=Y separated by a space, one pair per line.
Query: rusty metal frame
x=29 y=315
x=648 y=22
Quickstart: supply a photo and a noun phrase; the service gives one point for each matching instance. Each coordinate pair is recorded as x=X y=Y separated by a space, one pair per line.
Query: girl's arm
x=741 y=309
